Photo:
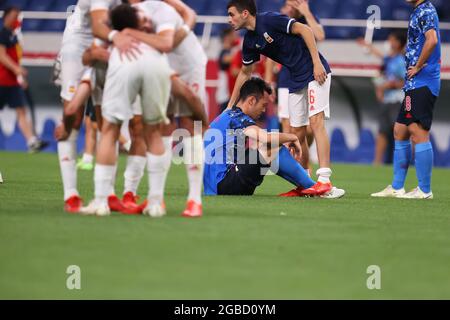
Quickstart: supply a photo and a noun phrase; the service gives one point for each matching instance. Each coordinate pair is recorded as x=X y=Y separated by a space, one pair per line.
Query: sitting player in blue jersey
x=238 y=153
x=422 y=86
x=292 y=44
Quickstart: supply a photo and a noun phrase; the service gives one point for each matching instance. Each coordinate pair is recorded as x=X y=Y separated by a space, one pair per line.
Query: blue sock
x=402 y=159
x=290 y=170
x=424 y=165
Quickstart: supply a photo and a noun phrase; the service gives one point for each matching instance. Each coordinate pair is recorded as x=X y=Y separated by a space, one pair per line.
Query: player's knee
x=400 y=132
x=317 y=122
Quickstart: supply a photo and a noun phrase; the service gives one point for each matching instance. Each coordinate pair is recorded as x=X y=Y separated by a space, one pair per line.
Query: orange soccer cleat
x=193 y=210
x=73 y=204
x=318 y=189
x=293 y=193
x=114 y=203
x=130 y=205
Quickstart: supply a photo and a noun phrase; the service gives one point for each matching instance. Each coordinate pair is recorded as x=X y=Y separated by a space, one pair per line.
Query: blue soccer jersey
x=223 y=143
x=272 y=37
x=423 y=19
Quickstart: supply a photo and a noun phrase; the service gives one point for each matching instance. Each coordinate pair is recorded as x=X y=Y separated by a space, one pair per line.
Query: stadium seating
x=336 y=9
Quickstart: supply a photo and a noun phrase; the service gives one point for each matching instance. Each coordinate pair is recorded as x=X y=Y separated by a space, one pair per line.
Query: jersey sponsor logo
x=268 y=38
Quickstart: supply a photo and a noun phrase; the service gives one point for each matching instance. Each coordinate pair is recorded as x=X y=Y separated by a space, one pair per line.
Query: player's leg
x=193 y=148
x=67 y=133
x=419 y=104
x=136 y=160
x=283 y=109
x=319 y=111
x=155 y=93
x=15 y=98
x=86 y=162
x=299 y=119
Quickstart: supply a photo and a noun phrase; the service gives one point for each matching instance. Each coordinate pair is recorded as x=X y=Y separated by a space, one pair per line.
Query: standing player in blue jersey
x=423 y=59
x=293 y=45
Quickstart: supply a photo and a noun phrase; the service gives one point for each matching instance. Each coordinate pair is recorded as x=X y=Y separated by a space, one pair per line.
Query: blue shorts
x=14 y=97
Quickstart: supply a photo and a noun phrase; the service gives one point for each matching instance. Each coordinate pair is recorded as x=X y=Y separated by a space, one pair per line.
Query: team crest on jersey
x=268 y=38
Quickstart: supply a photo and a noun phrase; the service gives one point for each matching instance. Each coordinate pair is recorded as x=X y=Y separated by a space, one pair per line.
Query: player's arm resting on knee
x=10 y=64
x=162 y=41
x=302 y=30
x=274 y=139
x=243 y=76
x=431 y=41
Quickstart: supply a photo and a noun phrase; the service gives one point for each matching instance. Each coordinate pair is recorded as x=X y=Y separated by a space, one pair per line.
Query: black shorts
x=14 y=97
x=418 y=107
x=242 y=179
x=90 y=110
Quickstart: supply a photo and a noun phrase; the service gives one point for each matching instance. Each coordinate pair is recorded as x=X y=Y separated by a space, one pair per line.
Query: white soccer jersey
x=189 y=54
x=80 y=21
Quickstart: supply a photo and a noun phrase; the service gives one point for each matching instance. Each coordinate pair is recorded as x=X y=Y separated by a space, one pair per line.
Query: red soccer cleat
x=318 y=189
x=73 y=204
x=114 y=203
x=130 y=205
x=193 y=210
x=293 y=193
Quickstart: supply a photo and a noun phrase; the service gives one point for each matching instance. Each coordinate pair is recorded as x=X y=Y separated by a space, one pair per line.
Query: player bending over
x=239 y=153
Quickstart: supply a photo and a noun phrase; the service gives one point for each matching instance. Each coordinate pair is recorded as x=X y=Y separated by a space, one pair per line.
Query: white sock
x=32 y=140
x=133 y=173
x=67 y=162
x=157 y=167
x=324 y=175
x=127 y=146
x=87 y=158
x=193 y=159
x=103 y=178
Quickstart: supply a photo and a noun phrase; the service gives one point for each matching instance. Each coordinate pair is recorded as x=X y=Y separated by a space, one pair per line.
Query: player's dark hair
x=400 y=36
x=241 y=5
x=10 y=9
x=124 y=16
x=255 y=87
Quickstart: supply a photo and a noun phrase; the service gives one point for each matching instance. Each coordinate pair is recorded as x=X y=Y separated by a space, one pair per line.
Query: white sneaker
x=96 y=208
x=1 y=178
x=389 y=192
x=154 y=210
x=417 y=194
x=334 y=193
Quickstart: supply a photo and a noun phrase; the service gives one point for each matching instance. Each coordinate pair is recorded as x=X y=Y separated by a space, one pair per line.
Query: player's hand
x=320 y=74
x=60 y=133
x=414 y=70
x=301 y=5
x=296 y=149
x=20 y=71
x=127 y=45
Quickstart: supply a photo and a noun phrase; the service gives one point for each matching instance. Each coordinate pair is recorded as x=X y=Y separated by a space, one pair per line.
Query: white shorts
x=308 y=102
x=196 y=80
x=148 y=76
x=283 y=103
x=97 y=91
x=72 y=68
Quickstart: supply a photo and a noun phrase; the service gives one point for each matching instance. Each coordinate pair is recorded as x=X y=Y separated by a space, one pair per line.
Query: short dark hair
x=10 y=9
x=124 y=16
x=401 y=36
x=241 y=5
x=255 y=87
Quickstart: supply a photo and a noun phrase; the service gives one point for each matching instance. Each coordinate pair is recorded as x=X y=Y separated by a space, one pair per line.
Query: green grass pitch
x=260 y=247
